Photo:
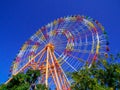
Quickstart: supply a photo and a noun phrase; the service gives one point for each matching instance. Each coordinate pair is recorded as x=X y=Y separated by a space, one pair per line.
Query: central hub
x=50 y=46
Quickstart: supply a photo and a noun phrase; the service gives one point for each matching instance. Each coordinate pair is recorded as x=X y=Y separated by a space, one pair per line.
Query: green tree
x=102 y=75
x=84 y=80
x=24 y=82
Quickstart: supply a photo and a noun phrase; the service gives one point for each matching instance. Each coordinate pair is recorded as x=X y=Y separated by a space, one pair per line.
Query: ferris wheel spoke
x=81 y=51
x=67 y=63
x=60 y=48
x=60 y=43
x=62 y=69
x=82 y=35
x=28 y=62
x=69 y=55
x=64 y=60
x=41 y=39
x=83 y=43
x=58 y=51
x=50 y=33
x=76 y=58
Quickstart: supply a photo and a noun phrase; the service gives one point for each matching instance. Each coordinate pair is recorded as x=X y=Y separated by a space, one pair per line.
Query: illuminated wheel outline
x=71 y=41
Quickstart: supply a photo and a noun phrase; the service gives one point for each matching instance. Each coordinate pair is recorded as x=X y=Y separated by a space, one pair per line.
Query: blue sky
x=19 y=19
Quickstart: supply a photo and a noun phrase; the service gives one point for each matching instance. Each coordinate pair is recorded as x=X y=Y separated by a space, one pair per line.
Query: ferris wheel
x=62 y=46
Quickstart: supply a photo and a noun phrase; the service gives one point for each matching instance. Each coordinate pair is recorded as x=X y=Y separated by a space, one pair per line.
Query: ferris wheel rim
x=78 y=40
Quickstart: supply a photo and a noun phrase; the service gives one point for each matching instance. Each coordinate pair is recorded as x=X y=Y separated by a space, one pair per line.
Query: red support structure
x=49 y=68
